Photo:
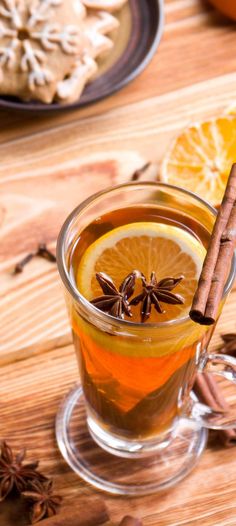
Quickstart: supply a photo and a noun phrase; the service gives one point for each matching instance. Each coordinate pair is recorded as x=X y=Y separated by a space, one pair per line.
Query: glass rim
x=80 y=299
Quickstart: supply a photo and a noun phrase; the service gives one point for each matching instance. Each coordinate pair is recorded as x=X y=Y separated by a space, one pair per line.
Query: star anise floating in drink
x=13 y=473
x=116 y=301
x=155 y=292
x=44 y=502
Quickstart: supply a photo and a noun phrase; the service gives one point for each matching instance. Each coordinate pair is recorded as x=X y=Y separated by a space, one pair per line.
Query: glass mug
x=136 y=407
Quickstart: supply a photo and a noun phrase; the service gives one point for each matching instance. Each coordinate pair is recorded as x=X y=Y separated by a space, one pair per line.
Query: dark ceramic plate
x=145 y=34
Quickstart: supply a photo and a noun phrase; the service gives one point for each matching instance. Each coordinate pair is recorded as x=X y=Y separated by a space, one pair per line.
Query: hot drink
x=134 y=385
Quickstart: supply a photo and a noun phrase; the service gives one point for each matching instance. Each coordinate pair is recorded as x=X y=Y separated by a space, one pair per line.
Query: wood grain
x=30 y=394
x=53 y=170
x=48 y=165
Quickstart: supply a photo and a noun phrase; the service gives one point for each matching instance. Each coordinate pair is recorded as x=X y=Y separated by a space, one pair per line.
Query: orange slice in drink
x=201 y=157
x=167 y=250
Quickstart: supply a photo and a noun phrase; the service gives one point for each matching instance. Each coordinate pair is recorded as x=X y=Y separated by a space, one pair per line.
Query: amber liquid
x=136 y=388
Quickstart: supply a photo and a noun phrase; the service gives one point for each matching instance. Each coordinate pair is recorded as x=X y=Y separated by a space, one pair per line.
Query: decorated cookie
x=109 y=5
x=48 y=48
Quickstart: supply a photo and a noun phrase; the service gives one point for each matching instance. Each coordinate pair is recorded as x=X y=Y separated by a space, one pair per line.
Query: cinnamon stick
x=208 y=392
x=130 y=521
x=82 y=512
x=219 y=254
x=229 y=344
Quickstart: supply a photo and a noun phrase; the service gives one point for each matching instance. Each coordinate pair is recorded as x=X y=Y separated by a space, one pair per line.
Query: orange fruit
x=201 y=157
x=227 y=7
x=146 y=246
x=157 y=372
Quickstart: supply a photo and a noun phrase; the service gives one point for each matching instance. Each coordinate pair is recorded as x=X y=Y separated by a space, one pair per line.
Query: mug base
x=125 y=447
x=124 y=471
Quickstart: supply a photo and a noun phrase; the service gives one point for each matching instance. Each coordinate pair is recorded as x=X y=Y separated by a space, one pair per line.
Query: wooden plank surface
x=31 y=392
x=48 y=165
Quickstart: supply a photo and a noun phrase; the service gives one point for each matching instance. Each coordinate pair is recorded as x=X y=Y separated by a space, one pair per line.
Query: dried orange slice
x=147 y=246
x=201 y=157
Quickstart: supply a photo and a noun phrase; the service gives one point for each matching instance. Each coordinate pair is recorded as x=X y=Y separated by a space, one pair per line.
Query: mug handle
x=221 y=365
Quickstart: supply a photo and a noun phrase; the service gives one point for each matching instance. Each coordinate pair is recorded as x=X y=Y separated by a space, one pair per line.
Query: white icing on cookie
x=48 y=47
x=70 y=89
x=33 y=62
x=11 y=9
x=51 y=35
x=96 y=29
x=41 y=11
x=7 y=55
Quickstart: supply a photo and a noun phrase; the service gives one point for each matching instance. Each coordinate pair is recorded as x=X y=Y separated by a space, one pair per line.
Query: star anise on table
x=14 y=474
x=115 y=301
x=155 y=292
x=44 y=503
x=229 y=343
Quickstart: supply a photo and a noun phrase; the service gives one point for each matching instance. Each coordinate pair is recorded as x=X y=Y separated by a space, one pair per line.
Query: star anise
x=13 y=474
x=229 y=345
x=155 y=292
x=115 y=301
x=45 y=503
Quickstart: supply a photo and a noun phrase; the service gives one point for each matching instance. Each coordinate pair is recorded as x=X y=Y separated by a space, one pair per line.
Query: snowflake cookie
x=48 y=48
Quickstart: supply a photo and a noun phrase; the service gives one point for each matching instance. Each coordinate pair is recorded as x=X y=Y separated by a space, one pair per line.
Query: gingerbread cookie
x=108 y=5
x=48 y=48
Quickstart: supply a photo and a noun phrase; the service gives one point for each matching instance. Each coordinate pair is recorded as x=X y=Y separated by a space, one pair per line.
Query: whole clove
x=42 y=251
x=137 y=174
x=45 y=253
x=20 y=266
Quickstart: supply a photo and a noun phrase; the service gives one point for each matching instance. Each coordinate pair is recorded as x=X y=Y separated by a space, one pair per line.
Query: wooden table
x=48 y=165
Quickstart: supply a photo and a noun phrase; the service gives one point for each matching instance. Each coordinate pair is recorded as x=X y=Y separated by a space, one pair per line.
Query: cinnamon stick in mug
x=229 y=344
x=218 y=258
x=209 y=392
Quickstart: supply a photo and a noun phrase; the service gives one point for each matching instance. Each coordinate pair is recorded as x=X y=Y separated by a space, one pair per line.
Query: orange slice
x=165 y=249
x=201 y=157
